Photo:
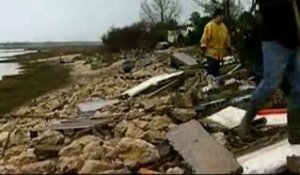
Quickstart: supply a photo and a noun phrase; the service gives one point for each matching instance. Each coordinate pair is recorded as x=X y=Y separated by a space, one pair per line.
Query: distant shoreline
x=36 y=45
x=34 y=80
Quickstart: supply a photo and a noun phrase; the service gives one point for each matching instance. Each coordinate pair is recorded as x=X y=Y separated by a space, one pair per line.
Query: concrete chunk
x=183 y=114
x=184 y=59
x=229 y=117
x=201 y=151
x=95 y=105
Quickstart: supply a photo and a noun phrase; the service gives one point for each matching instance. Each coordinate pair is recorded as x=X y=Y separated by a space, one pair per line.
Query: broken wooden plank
x=94 y=118
x=95 y=105
x=237 y=100
x=151 y=82
x=83 y=124
x=172 y=83
x=268 y=160
x=185 y=59
x=214 y=102
x=234 y=69
x=78 y=125
x=202 y=151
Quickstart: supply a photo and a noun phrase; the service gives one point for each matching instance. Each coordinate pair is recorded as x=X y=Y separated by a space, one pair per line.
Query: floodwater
x=10 y=68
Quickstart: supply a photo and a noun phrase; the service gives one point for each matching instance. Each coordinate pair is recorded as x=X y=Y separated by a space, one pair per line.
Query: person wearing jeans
x=281 y=57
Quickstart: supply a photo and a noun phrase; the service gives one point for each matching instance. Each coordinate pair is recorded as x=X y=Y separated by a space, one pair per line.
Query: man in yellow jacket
x=215 y=43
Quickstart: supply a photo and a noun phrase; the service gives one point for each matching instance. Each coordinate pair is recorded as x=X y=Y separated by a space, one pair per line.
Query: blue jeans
x=278 y=62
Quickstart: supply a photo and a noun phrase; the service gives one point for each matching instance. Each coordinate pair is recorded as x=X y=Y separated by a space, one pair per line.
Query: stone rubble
x=136 y=140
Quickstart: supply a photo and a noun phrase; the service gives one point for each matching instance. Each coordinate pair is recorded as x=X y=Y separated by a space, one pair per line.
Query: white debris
x=269 y=160
x=151 y=82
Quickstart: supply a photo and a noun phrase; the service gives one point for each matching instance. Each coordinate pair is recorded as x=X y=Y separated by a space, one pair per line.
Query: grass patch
x=37 y=79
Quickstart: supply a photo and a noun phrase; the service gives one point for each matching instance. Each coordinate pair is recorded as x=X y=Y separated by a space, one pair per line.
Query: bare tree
x=253 y=6
x=160 y=11
x=232 y=8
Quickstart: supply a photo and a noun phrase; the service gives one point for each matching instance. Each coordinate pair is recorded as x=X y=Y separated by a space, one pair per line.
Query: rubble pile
x=54 y=134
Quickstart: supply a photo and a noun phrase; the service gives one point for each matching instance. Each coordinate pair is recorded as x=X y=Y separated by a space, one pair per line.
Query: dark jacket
x=279 y=22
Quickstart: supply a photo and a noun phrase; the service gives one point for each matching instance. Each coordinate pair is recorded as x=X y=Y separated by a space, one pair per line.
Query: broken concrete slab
x=268 y=160
x=151 y=82
x=229 y=117
x=184 y=59
x=202 y=151
x=91 y=106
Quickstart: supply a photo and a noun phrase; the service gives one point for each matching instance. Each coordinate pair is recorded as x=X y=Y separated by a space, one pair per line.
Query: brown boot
x=293 y=164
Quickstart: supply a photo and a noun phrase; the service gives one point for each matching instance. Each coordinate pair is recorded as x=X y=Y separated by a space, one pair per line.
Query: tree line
x=159 y=16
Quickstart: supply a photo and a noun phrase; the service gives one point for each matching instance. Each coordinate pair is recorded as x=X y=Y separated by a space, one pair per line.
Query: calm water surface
x=10 y=68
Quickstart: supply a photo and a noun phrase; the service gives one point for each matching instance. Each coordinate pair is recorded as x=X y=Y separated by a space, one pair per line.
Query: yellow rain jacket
x=216 y=40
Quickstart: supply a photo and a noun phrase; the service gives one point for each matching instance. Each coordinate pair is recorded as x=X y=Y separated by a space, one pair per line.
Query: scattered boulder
x=120 y=171
x=43 y=152
x=160 y=122
x=93 y=150
x=14 y=151
x=9 y=169
x=54 y=105
x=70 y=164
x=87 y=139
x=24 y=158
x=22 y=111
x=76 y=147
x=95 y=167
x=133 y=131
x=136 y=152
x=6 y=126
x=19 y=137
x=183 y=114
x=3 y=137
x=175 y=170
x=49 y=137
x=128 y=129
x=47 y=166
x=148 y=171
x=152 y=135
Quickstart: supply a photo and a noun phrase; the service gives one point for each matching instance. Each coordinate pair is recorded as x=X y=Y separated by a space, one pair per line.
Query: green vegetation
x=37 y=79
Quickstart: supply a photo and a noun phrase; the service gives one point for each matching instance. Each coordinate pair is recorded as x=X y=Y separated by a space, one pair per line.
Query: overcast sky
x=68 y=20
